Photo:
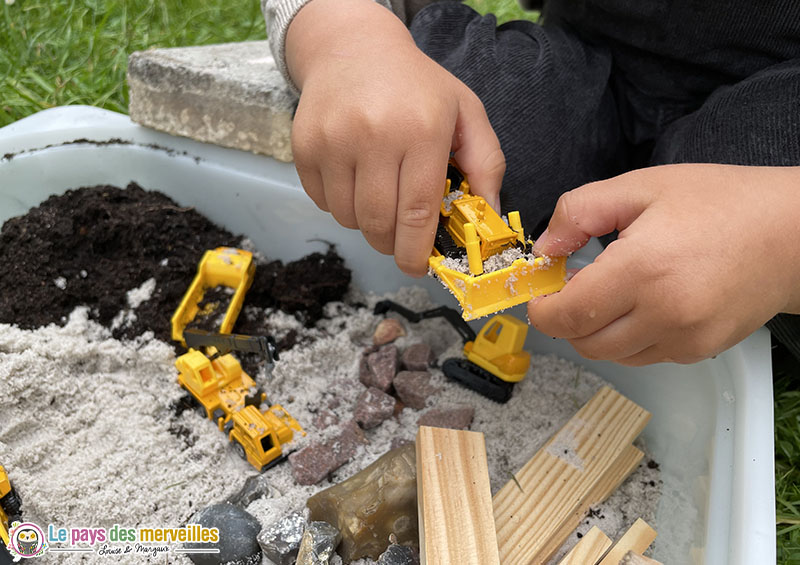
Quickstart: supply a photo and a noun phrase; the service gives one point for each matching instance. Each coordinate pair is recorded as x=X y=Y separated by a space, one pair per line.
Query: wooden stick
x=456 y=523
x=589 y=549
x=632 y=558
x=618 y=472
x=531 y=508
x=637 y=539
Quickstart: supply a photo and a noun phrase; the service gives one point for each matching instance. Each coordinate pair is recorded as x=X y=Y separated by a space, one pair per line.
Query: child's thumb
x=477 y=150
x=594 y=209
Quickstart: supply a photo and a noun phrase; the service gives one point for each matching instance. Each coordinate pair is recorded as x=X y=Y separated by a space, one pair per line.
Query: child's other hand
x=706 y=254
x=375 y=125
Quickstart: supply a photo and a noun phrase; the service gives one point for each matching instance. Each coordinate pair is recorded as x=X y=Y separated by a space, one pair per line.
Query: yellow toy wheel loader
x=493 y=358
x=220 y=389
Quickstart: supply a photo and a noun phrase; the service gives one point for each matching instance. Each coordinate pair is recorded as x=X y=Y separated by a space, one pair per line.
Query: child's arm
x=706 y=254
x=375 y=125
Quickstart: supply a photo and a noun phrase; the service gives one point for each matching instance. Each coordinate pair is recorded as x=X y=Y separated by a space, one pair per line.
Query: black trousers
x=566 y=116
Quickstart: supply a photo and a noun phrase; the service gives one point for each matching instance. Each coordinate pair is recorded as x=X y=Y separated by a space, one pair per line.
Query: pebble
x=414 y=388
x=237 y=536
x=380 y=367
x=453 y=417
x=417 y=357
x=398 y=555
x=280 y=542
x=345 y=444
x=318 y=544
x=312 y=463
x=388 y=330
x=373 y=407
x=255 y=487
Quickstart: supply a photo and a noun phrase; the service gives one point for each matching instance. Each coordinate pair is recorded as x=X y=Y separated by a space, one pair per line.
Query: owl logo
x=26 y=540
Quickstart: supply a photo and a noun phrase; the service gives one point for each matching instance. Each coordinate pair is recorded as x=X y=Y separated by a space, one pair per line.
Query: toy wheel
x=11 y=503
x=201 y=411
x=239 y=449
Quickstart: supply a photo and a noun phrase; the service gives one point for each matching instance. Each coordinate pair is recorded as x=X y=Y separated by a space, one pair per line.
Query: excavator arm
x=225 y=343
x=449 y=314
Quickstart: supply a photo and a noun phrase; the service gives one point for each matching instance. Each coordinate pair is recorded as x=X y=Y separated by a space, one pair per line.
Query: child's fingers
x=596 y=296
x=312 y=184
x=339 y=180
x=624 y=337
x=477 y=150
x=422 y=176
x=375 y=200
x=594 y=209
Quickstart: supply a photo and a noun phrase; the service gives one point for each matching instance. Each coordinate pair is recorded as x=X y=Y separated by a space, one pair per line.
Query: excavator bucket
x=481 y=295
x=223 y=266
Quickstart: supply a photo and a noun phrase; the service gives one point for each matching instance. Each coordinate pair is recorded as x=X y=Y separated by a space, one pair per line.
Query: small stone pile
x=393 y=380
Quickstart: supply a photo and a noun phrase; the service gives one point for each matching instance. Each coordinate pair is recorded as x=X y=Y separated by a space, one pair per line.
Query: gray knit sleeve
x=278 y=15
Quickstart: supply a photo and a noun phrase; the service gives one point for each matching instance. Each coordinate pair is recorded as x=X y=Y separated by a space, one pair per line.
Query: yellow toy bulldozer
x=10 y=506
x=468 y=226
x=493 y=359
x=223 y=392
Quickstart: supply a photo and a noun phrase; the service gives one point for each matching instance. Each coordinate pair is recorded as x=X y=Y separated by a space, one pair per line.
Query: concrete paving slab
x=229 y=94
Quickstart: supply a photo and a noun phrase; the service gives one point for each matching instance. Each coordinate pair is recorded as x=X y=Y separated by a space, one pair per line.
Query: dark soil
x=104 y=241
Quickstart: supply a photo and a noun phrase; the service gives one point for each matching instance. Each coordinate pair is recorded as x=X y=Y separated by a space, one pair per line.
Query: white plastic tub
x=712 y=426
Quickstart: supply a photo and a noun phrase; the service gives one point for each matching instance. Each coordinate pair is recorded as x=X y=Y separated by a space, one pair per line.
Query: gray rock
x=399 y=555
x=280 y=542
x=380 y=367
x=230 y=94
x=373 y=407
x=417 y=357
x=237 y=536
x=414 y=388
x=319 y=542
x=453 y=417
x=255 y=487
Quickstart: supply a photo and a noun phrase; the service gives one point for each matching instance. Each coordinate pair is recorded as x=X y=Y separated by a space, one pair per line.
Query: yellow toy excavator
x=222 y=391
x=469 y=227
x=493 y=359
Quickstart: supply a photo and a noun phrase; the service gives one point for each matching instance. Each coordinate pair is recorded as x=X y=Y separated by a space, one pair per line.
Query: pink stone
x=312 y=464
x=325 y=419
x=414 y=388
x=453 y=417
x=373 y=407
x=345 y=445
x=417 y=357
x=379 y=368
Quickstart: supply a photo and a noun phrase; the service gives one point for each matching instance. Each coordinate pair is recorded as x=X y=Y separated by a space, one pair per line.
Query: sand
x=90 y=438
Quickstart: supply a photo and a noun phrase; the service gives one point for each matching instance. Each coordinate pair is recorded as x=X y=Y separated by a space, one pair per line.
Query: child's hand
x=376 y=122
x=706 y=254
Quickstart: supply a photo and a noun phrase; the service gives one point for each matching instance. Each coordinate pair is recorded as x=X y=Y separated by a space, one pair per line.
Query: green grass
x=75 y=52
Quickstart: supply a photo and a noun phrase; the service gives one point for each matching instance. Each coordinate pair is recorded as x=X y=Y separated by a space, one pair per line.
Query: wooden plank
x=632 y=558
x=589 y=549
x=618 y=472
x=456 y=522
x=637 y=539
x=531 y=508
